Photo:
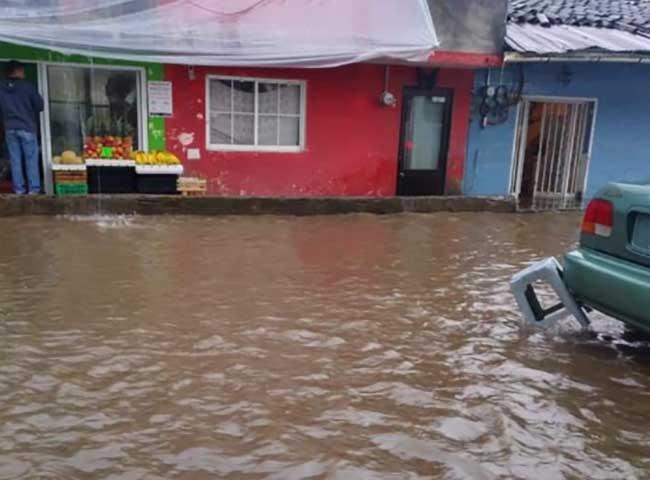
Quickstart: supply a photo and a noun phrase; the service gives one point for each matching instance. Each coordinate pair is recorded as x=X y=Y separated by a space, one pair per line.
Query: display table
x=159 y=169
x=60 y=167
x=109 y=162
x=107 y=175
x=157 y=179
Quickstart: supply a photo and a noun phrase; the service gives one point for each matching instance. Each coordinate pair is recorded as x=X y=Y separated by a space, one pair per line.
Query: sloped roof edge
x=565 y=26
x=563 y=39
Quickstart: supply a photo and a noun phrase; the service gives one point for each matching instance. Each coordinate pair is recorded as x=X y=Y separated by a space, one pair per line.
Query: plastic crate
x=111 y=179
x=159 y=183
x=65 y=189
x=70 y=177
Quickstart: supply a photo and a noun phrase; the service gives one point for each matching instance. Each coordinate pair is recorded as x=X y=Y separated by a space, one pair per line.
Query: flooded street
x=352 y=347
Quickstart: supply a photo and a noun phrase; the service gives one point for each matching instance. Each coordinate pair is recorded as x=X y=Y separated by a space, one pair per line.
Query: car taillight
x=599 y=218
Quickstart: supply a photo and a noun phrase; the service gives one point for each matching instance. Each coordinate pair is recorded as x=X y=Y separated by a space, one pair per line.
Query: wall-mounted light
x=387 y=99
x=191 y=74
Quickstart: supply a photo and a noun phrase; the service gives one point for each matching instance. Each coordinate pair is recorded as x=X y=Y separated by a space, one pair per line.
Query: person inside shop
x=20 y=106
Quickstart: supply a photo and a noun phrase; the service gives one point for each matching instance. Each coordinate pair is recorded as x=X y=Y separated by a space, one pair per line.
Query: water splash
x=105 y=221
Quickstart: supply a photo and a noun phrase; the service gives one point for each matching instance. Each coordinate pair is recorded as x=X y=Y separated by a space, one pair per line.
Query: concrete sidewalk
x=12 y=205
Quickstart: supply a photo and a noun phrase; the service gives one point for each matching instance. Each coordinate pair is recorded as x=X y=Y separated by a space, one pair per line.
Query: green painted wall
x=154 y=71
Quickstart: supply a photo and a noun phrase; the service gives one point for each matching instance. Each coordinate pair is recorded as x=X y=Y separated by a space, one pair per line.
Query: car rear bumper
x=616 y=287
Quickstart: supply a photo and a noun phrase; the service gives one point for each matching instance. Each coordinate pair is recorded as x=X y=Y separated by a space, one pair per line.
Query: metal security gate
x=552 y=153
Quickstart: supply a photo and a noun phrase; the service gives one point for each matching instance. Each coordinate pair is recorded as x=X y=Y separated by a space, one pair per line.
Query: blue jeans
x=23 y=145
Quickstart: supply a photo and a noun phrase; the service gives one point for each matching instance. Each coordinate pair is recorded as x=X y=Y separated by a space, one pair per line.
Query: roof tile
x=625 y=15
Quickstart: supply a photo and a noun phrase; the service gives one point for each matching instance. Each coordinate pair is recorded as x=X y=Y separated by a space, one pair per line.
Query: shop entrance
x=31 y=75
x=553 y=148
x=94 y=115
x=423 y=145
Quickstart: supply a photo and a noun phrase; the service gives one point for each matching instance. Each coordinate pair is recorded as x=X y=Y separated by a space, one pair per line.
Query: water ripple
x=353 y=347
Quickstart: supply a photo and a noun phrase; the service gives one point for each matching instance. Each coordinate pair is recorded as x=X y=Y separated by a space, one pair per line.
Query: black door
x=426 y=115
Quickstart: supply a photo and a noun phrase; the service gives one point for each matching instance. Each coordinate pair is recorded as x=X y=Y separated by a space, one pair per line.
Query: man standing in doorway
x=20 y=105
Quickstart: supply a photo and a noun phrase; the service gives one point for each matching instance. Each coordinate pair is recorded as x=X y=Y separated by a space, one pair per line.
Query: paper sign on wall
x=160 y=98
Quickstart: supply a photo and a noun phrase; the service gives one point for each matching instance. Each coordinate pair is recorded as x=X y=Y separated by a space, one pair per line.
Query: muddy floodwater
x=350 y=347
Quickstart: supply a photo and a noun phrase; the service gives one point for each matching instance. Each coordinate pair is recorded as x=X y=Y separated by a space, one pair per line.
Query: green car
x=610 y=270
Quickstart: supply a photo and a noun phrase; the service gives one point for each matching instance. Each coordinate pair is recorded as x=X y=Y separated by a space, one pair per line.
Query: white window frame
x=257 y=148
x=46 y=140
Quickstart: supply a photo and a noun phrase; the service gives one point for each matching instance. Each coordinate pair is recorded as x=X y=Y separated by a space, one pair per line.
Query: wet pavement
x=350 y=347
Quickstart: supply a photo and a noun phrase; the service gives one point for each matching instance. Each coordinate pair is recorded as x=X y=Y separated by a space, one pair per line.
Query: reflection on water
x=335 y=347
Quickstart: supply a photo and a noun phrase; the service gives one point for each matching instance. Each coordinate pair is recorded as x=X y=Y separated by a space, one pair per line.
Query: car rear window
x=641 y=232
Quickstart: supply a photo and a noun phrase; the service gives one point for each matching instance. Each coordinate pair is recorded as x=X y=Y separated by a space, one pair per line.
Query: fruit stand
x=70 y=179
x=144 y=172
x=70 y=174
x=157 y=172
x=110 y=175
x=110 y=164
x=159 y=179
x=114 y=142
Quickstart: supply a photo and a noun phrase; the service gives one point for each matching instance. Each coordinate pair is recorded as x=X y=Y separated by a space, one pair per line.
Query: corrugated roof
x=565 y=39
x=564 y=26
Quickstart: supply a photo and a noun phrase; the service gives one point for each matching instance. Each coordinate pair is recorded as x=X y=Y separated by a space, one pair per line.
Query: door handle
x=401 y=174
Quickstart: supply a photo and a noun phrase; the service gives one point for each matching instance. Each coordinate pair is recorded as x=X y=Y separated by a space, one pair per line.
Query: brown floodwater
x=351 y=347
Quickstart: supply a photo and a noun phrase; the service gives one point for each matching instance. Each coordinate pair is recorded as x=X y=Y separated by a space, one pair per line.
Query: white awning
x=296 y=33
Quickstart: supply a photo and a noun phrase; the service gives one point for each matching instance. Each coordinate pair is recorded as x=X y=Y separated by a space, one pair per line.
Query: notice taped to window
x=160 y=98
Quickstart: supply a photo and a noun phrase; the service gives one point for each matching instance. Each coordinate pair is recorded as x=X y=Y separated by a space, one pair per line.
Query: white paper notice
x=160 y=98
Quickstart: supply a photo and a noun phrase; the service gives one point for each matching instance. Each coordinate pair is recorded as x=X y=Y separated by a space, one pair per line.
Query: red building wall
x=351 y=144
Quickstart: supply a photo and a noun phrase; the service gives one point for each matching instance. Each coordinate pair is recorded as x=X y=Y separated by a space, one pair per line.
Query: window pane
x=277 y=115
x=89 y=105
x=65 y=127
x=66 y=84
x=220 y=95
x=98 y=81
x=268 y=130
x=220 y=129
x=290 y=99
x=268 y=98
x=243 y=97
x=425 y=124
x=290 y=131
x=244 y=129
x=66 y=91
x=117 y=98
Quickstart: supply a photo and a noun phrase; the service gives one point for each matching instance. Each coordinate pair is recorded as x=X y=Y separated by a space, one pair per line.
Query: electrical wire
x=224 y=15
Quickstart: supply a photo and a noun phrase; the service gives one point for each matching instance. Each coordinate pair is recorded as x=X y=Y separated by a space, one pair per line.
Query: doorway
x=31 y=75
x=552 y=152
x=426 y=119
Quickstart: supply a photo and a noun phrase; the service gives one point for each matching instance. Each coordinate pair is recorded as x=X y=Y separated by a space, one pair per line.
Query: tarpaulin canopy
x=301 y=33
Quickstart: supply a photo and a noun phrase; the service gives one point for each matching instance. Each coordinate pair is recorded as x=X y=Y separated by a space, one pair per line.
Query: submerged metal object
x=549 y=271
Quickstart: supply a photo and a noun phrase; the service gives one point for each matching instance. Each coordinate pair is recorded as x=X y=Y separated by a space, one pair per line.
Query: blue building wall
x=621 y=144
